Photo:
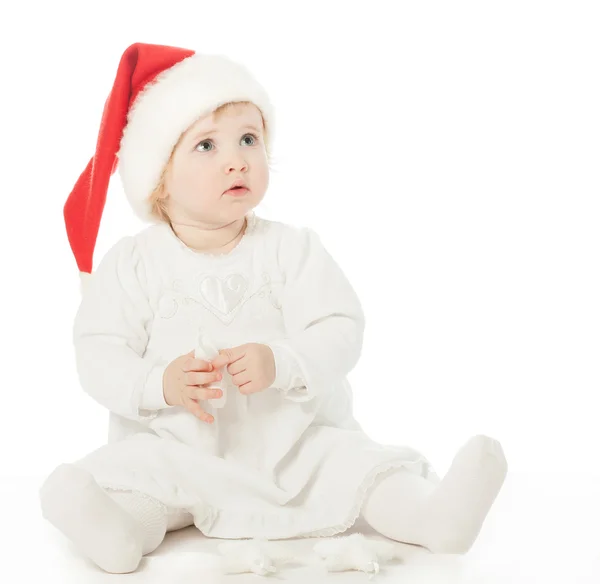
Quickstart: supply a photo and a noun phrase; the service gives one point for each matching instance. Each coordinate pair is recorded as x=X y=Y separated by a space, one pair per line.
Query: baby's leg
x=112 y=528
x=445 y=518
x=178 y=519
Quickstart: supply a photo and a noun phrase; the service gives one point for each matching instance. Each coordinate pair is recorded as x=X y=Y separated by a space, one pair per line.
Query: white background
x=446 y=152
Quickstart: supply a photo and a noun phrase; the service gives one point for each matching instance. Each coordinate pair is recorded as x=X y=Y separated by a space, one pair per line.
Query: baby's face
x=210 y=157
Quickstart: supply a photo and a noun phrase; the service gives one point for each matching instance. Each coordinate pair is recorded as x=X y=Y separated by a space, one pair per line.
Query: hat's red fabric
x=139 y=65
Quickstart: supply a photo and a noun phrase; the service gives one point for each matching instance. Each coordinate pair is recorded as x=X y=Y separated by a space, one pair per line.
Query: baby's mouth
x=237 y=191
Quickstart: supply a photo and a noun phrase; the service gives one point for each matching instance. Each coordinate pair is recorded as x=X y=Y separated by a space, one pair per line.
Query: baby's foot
x=458 y=507
x=98 y=526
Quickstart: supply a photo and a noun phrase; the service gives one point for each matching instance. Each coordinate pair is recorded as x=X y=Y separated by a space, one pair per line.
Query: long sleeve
x=288 y=376
x=323 y=319
x=110 y=334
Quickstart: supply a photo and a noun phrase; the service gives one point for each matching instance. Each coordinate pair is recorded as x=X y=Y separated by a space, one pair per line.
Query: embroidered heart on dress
x=224 y=294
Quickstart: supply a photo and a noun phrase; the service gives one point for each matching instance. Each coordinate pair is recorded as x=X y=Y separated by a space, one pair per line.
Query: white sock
x=444 y=518
x=113 y=538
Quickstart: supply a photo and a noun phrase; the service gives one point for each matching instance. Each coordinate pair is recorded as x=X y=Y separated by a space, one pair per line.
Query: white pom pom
x=355 y=552
x=257 y=556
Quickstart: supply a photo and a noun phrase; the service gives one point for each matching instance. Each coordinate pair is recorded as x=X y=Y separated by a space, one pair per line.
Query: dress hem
x=362 y=494
x=205 y=515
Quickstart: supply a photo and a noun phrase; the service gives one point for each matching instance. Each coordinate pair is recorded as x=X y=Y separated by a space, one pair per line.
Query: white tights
x=112 y=528
x=444 y=518
x=116 y=528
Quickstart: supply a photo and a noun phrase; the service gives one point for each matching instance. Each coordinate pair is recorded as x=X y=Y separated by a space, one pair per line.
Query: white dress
x=290 y=461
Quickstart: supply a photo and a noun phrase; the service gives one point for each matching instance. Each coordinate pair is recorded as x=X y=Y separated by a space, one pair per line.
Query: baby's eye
x=202 y=144
x=252 y=137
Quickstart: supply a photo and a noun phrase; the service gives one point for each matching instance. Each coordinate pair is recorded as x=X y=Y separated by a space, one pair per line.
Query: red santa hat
x=159 y=91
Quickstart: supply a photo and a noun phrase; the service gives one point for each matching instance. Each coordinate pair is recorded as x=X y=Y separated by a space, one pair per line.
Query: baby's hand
x=187 y=381
x=252 y=366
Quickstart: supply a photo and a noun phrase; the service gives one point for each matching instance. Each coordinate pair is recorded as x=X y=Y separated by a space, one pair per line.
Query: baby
x=260 y=439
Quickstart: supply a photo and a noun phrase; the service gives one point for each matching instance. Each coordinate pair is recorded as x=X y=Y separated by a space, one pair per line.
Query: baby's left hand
x=251 y=366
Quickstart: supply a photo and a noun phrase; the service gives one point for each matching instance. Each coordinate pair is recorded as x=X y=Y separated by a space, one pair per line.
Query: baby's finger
x=228 y=356
x=237 y=367
x=195 y=378
x=249 y=388
x=197 y=365
x=206 y=393
x=241 y=378
x=195 y=408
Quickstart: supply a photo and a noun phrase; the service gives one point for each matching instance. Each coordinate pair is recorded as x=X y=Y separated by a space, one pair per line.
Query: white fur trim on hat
x=84 y=281
x=168 y=106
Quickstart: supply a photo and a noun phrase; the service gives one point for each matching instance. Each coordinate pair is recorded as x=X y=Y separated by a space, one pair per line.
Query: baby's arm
x=110 y=337
x=323 y=319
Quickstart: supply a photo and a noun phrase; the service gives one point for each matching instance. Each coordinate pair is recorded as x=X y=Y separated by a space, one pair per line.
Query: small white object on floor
x=257 y=556
x=356 y=552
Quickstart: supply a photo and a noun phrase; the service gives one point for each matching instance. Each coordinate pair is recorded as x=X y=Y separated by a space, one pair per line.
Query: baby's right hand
x=187 y=381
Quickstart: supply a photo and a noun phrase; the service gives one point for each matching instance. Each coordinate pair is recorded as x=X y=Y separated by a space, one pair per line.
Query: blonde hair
x=157 y=199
